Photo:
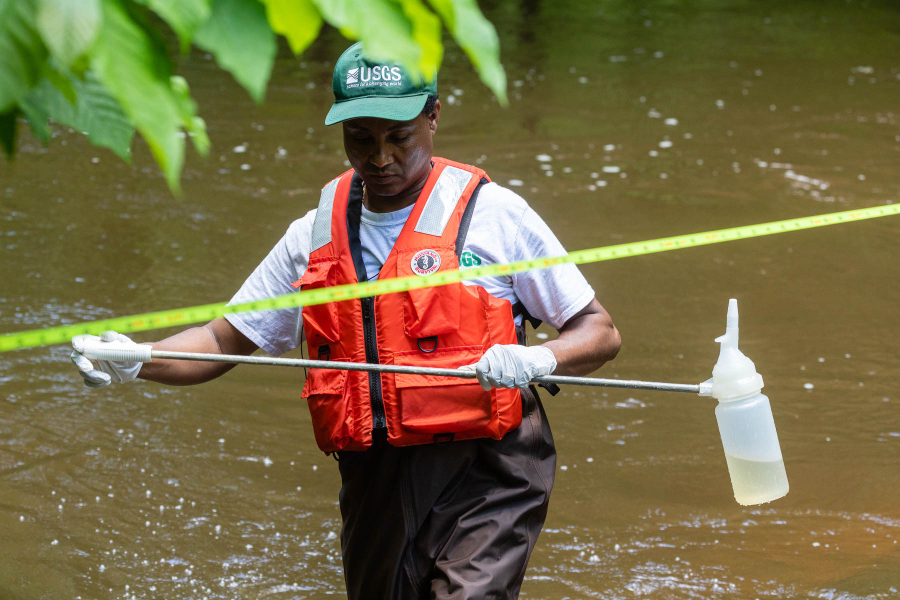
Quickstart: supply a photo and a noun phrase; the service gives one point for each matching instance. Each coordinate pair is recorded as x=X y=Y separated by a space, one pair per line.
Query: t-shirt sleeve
x=276 y=331
x=552 y=295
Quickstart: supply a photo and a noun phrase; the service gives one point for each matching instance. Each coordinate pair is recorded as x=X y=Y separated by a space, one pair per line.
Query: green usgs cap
x=366 y=88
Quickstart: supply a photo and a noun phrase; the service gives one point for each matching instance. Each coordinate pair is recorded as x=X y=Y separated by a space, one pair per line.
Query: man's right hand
x=108 y=371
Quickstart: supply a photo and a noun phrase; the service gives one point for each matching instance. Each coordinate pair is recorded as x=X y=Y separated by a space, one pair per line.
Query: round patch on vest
x=425 y=262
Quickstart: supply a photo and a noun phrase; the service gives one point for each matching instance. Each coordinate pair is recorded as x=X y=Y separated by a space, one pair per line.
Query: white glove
x=120 y=372
x=513 y=366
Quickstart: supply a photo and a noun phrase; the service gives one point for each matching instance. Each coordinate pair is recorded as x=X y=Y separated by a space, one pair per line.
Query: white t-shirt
x=377 y=234
x=504 y=229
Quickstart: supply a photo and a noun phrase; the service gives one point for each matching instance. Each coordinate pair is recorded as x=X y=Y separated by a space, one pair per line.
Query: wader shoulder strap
x=519 y=309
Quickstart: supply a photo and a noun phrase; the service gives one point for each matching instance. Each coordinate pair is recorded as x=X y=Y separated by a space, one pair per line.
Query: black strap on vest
x=354 y=214
x=466 y=219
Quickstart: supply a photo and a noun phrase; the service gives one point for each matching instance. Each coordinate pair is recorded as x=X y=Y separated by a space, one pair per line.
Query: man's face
x=391 y=156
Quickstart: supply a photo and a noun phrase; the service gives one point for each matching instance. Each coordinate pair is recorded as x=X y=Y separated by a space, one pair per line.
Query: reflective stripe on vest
x=321 y=231
x=442 y=200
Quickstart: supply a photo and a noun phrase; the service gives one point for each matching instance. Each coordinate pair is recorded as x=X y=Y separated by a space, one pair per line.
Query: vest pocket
x=320 y=321
x=430 y=311
x=325 y=393
x=434 y=405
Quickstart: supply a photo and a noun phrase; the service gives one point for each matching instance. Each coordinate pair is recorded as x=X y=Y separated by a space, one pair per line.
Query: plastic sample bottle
x=745 y=422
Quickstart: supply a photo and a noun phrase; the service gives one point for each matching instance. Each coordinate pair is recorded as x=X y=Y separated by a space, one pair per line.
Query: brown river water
x=659 y=119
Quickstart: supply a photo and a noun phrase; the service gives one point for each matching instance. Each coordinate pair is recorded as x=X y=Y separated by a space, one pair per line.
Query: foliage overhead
x=101 y=66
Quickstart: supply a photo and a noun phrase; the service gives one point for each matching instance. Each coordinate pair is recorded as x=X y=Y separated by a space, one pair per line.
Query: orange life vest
x=445 y=327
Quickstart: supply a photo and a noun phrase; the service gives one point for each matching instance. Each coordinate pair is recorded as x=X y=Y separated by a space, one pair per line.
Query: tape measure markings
x=207 y=312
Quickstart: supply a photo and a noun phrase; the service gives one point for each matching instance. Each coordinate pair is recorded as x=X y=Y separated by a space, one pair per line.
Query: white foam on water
x=804 y=182
x=631 y=403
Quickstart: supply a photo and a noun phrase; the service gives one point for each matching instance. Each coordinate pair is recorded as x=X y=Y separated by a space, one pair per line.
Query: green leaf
x=183 y=16
x=133 y=69
x=37 y=119
x=426 y=31
x=197 y=130
x=68 y=28
x=297 y=20
x=478 y=38
x=382 y=27
x=239 y=36
x=35 y=111
x=339 y=13
x=61 y=82
x=8 y=125
x=21 y=51
x=100 y=116
x=195 y=126
x=94 y=112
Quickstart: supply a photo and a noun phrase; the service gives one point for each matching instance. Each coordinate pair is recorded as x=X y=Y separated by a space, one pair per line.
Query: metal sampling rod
x=144 y=353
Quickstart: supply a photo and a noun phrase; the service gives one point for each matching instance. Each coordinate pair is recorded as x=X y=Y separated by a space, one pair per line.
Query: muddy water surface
x=650 y=119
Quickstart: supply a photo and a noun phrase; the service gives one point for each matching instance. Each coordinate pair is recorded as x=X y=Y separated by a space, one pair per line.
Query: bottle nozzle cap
x=734 y=375
x=732 y=319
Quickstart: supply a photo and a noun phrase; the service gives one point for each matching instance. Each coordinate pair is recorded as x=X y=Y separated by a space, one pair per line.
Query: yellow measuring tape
x=199 y=314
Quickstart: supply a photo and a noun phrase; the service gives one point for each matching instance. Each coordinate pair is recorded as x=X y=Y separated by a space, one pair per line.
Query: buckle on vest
x=442 y=439
x=324 y=352
x=433 y=339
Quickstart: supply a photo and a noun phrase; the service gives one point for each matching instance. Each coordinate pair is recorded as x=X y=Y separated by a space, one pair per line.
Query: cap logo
x=425 y=262
x=381 y=75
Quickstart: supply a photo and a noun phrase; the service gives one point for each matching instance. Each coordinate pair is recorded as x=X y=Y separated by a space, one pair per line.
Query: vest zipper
x=368 y=312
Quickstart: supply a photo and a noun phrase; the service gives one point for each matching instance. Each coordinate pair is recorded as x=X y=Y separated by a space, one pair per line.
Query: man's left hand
x=513 y=366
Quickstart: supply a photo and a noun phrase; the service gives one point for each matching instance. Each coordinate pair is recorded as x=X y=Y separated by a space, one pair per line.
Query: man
x=445 y=482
